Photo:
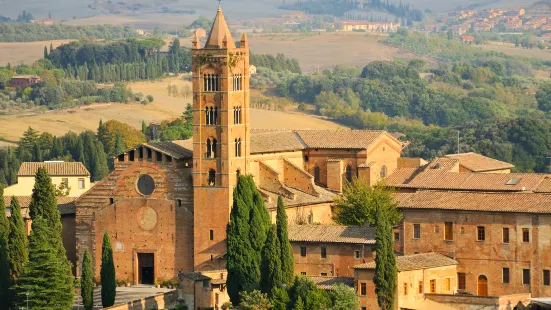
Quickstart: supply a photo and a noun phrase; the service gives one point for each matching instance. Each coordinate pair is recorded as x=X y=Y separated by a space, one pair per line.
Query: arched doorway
x=482 y=285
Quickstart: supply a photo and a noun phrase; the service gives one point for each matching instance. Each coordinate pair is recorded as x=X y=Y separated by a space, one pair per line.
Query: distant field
x=517 y=51
x=163 y=107
x=328 y=49
x=28 y=52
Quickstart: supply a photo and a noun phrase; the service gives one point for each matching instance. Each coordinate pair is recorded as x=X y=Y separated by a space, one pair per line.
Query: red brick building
x=24 y=80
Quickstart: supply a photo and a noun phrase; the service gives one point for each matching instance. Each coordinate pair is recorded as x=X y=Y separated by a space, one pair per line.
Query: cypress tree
x=43 y=202
x=37 y=153
x=100 y=168
x=17 y=241
x=385 y=262
x=287 y=258
x=238 y=242
x=87 y=282
x=272 y=277
x=46 y=278
x=51 y=48
x=5 y=281
x=144 y=128
x=80 y=152
x=107 y=273
x=45 y=52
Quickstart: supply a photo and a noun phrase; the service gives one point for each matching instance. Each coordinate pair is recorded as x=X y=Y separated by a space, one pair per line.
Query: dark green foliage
x=144 y=128
x=386 y=272
x=87 y=282
x=43 y=202
x=254 y=300
x=100 y=167
x=299 y=305
x=5 y=280
x=38 y=32
x=278 y=63
x=179 y=129
x=358 y=204
x=344 y=298
x=47 y=276
x=287 y=257
x=544 y=98
x=279 y=298
x=271 y=272
x=305 y=295
x=17 y=241
x=247 y=231
x=107 y=273
x=45 y=52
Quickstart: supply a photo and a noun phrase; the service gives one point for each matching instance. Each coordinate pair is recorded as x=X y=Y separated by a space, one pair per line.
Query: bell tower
x=220 y=137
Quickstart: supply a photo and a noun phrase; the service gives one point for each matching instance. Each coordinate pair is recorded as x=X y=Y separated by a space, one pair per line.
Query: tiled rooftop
x=54 y=168
x=329 y=283
x=64 y=205
x=177 y=149
x=479 y=163
x=416 y=261
x=332 y=234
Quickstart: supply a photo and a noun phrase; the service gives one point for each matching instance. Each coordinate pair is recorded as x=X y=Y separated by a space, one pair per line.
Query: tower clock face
x=146 y=185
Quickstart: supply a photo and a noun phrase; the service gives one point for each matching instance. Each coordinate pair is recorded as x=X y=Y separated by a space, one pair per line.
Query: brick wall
x=159 y=301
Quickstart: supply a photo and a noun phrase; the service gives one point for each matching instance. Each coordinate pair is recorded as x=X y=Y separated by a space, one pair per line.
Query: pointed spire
x=244 y=40
x=218 y=32
x=195 y=42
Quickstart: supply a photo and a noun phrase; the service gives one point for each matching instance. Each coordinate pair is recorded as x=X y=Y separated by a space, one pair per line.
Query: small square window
x=206 y=283
x=81 y=183
x=303 y=251
x=323 y=252
x=357 y=254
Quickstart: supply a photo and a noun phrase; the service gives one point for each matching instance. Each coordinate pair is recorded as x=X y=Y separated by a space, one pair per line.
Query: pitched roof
x=54 y=168
x=273 y=141
x=416 y=261
x=479 y=163
x=64 y=204
x=340 y=139
x=219 y=33
x=478 y=201
x=177 y=149
x=444 y=180
x=443 y=164
x=332 y=234
x=329 y=283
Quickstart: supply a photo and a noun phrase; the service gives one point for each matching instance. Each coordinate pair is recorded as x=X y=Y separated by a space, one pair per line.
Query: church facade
x=167 y=204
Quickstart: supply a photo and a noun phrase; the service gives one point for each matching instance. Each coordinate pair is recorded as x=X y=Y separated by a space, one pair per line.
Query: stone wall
x=159 y=301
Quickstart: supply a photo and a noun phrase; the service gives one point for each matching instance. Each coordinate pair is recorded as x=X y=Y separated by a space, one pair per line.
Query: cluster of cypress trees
x=385 y=261
x=259 y=253
x=39 y=273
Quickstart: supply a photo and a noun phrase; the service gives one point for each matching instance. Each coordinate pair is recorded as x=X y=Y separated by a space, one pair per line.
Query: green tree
x=345 y=298
x=246 y=236
x=385 y=261
x=100 y=168
x=37 y=153
x=107 y=273
x=144 y=128
x=17 y=241
x=358 y=203
x=279 y=298
x=45 y=52
x=254 y=300
x=87 y=282
x=271 y=272
x=5 y=280
x=46 y=278
x=287 y=258
x=43 y=202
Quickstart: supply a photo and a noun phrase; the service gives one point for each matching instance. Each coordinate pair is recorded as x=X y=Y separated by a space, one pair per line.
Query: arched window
x=384 y=171
x=316 y=174
x=205 y=82
x=209 y=149
x=212 y=177
x=482 y=285
x=349 y=173
x=214 y=116
x=207 y=116
x=237 y=175
x=238 y=147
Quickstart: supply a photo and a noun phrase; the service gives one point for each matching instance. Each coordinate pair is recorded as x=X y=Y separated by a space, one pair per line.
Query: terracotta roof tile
x=339 y=139
x=272 y=141
x=177 y=149
x=443 y=164
x=479 y=163
x=332 y=234
x=416 y=261
x=329 y=283
x=478 y=201
x=65 y=205
x=54 y=168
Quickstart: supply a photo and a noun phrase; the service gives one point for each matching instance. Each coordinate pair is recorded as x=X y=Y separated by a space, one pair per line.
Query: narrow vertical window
x=214 y=148
x=505 y=275
x=303 y=251
x=209 y=149
x=204 y=82
x=448 y=230
x=416 y=231
x=212 y=178
x=433 y=286
x=525 y=235
x=461 y=281
x=357 y=254
x=316 y=174
x=211 y=234
x=525 y=276
x=420 y=287
x=405 y=288
x=546 y=278
x=505 y=234
x=323 y=252
x=396 y=236
x=363 y=289
x=448 y=284
x=207 y=116
x=81 y=183
x=481 y=233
